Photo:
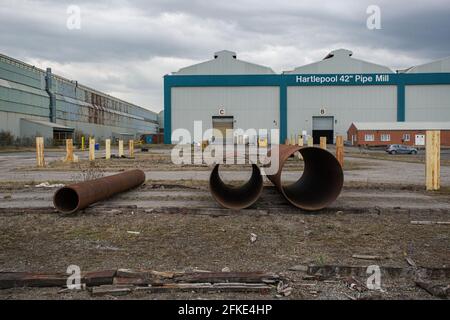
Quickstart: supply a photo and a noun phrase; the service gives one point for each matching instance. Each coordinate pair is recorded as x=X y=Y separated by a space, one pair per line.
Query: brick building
x=385 y=133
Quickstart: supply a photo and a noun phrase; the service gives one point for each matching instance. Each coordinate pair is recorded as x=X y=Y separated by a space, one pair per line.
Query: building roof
x=224 y=62
x=48 y=124
x=441 y=65
x=402 y=125
x=340 y=61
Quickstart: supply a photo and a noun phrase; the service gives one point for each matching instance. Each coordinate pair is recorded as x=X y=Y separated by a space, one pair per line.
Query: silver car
x=399 y=148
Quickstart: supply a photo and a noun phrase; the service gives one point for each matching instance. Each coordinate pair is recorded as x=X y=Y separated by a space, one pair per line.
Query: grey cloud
x=123 y=38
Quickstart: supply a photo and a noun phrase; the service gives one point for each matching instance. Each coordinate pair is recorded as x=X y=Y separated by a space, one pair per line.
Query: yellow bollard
x=310 y=141
x=433 y=159
x=82 y=143
x=40 y=161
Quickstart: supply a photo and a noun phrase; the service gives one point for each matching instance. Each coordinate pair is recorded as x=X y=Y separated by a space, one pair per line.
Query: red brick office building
x=385 y=133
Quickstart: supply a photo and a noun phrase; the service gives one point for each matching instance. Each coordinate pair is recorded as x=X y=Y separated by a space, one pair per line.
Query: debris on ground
x=367 y=257
x=133 y=232
x=426 y=222
x=125 y=281
x=355 y=284
x=437 y=290
x=48 y=185
x=284 y=289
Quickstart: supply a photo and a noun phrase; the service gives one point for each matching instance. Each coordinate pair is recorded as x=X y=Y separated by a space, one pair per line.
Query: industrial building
x=34 y=102
x=319 y=99
x=385 y=133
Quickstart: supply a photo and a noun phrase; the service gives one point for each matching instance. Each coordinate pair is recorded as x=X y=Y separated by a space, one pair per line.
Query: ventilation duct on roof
x=225 y=54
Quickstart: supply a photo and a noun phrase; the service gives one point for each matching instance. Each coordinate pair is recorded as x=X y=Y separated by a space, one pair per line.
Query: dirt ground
x=176 y=225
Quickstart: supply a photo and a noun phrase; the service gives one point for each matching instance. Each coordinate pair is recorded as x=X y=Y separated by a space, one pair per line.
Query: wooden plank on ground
x=28 y=279
x=427 y=222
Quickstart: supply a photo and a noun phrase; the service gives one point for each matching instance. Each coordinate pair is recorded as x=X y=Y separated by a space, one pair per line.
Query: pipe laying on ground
x=74 y=197
x=236 y=197
x=321 y=182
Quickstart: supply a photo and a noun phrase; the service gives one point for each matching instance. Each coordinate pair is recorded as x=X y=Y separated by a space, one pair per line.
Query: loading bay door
x=220 y=126
x=323 y=127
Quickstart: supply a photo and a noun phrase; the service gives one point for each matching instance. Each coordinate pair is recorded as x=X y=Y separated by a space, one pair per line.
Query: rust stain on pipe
x=236 y=197
x=74 y=197
x=321 y=182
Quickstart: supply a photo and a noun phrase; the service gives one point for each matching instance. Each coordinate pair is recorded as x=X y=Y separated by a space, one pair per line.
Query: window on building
x=406 y=137
x=369 y=137
x=385 y=137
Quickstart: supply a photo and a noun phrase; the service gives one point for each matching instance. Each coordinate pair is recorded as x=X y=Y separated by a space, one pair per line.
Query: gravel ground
x=180 y=227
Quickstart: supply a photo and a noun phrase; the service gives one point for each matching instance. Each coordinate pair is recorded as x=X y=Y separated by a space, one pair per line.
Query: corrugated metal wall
x=251 y=107
x=346 y=103
x=22 y=92
x=427 y=102
x=23 y=95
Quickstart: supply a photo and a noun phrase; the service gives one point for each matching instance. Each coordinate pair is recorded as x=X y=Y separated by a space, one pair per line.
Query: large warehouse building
x=318 y=99
x=34 y=102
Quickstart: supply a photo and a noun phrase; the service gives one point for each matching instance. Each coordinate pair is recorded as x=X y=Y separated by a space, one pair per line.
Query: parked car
x=399 y=148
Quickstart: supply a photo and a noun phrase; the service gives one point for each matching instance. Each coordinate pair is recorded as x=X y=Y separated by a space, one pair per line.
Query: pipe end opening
x=66 y=200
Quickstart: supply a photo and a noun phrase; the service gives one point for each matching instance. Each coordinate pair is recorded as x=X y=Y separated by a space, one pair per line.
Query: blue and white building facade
x=318 y=99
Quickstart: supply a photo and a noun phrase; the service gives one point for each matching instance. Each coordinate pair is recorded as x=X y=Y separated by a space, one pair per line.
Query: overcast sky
x=124 y=48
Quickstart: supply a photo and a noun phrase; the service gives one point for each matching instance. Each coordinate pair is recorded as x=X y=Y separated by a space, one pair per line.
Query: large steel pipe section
x=74 y=197
x=236 y=197
x=321 y=182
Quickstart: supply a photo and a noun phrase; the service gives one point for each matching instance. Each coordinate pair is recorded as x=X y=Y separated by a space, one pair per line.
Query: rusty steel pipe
x=236 y=197
x=321 y=182
x=74 y=197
